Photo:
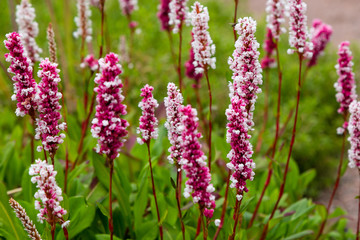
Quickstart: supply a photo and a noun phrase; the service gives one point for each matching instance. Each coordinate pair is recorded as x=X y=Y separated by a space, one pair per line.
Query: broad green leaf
x=105 y=237
x=300 y=235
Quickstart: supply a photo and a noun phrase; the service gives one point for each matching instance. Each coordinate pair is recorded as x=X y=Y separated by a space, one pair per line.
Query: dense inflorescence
x=163 y=15
x=24 y=83
x=173 y=103
x=128 y=6
x=298 y=32
x=83 y=21
x=107 y=126
x=269 y=46
x=28 y=30
x=91 y=62
x=320 y=36
x=148 y=122
x=48 y=97
x=354 y=132
x=178 y=14
x=193 y=161
x=243 y=94
x=276 y=11
x=29 y=226
x=49 y=194
x=190 y=69
x=202 y=44
x=345 y=86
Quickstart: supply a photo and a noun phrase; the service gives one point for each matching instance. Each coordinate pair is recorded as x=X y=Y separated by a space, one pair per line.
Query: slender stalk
x=198 y=228
x=236 y=218
x=111 y=224
x=336 y=183
x=154 y=192
x=210 y=114
x=32 y=143
x=179 y=60
x=12 y=15
x=66 y=234
x=282 y=187
x=266 y=110
x=102 y=9
x=178 y=198
x=203 y=224
x=358 y=220
x=171 y=42
x=223 y=207
x=235 y=18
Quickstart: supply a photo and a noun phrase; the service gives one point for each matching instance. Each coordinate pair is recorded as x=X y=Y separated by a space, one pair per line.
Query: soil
x=343 y=16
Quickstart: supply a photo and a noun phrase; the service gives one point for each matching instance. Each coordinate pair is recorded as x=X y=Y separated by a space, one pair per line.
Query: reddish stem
x=154 y=192
x=223 y=207
x=235 y=18
x=236 y=218
x=358 y=220
x=210 y=114
x=282 y=187
x=178 y=198
x=179 y=62
x=198 y=228
x=336 y=183
x=172 y=49
x=203 y=224
x=66 y=234
x=102 y=7
x=111 y=224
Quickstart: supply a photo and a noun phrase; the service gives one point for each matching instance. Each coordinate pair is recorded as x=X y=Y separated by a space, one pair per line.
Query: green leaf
x=245 y=204
x=76 y=172
x=299 y=235
x=10 y=226
x=105 y=237
x=141 y=199
x=173 y=184
x=103 y=210
x=337 y=213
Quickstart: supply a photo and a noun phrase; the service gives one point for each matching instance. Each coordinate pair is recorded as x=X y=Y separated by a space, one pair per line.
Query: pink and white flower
x=163 y=14
x=83 y=21
x=108 y=126
x=178 y=14
x=276 y=11
x=354 y=131
x=49 y=194
x=28 y=30
x=24 y=83
x=202 y=44
x=128 y=6
x=91 y=62
x=148 y=122
x=48 y=126
x=193 y=161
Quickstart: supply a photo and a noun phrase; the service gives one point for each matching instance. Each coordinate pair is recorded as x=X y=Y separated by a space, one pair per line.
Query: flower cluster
x=269 y=46
x=276 y=11
x=91 y=62
x=29 y=226
x=354 y=131
x=163 y=15
x=24 y=83
x=83 y=21
x=345 y=86
x=194 y=163
x=190 y=69
x=178 y=14
x=245 y=66
x=128 y=6
x=298 y=32
x=173 y=103
x=148 y=122
x=202 y=44
x=51 y=42
x=241 y=149
x=243 y=94
x=107 y=125
x=48 y=97
x=28 y=29
x=49 y=194
x=320 y=36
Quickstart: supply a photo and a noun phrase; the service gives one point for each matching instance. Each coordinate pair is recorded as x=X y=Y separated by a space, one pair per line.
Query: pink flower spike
x=49 y=194
x=91 y=62
x=354 y=132
x=298 y=32
x=83 y=21
x=245 y=66
x=190 y=69
x=194 y=163
x=24 y=83
x=173 y=103
x=202 y=44
x=276 y=11
x=107 y=126
x=163 y=15
x=28 y=30
x=269 y=46
x=48 y=126
x=128 y=6
x=320 y=36
x=148 y=121
x=345 y=86
x=178 y=14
